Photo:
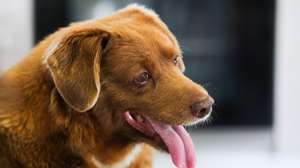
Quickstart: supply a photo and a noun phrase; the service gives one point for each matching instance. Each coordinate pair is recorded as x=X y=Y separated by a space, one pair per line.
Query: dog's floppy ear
x=74 y=65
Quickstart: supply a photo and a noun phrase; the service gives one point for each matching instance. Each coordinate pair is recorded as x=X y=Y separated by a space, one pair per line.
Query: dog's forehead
x=149 y=27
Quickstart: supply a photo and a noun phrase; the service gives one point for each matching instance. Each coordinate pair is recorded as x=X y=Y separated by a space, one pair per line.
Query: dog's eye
x=142 y=79
x=176 y=60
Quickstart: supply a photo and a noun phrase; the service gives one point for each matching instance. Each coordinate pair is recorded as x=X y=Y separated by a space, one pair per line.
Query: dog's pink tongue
x=190 y=154
x=178 y=142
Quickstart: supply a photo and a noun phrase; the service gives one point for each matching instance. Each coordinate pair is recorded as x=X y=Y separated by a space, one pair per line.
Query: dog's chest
x=125 y=162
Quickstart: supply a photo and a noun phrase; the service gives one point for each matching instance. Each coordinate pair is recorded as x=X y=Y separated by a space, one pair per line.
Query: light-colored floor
x=229 y=148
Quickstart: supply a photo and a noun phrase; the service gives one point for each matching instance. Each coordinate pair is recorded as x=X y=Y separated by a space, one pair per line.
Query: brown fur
x=61 y=111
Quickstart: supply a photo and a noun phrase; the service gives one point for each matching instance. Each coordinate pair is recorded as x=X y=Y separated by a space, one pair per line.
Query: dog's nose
x=202 y=108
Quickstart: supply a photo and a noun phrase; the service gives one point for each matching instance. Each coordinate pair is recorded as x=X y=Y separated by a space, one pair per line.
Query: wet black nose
x=202 y=108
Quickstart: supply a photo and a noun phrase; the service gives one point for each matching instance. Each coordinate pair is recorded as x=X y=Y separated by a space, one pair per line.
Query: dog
x=101 y=93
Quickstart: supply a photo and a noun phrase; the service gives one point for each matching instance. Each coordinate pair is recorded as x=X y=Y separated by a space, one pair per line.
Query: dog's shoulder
x=9 y=105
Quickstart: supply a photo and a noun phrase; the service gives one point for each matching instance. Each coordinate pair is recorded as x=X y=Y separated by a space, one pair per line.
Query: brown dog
x=91 y=95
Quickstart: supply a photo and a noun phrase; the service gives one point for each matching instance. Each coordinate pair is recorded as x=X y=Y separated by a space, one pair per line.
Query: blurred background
x=246 y=53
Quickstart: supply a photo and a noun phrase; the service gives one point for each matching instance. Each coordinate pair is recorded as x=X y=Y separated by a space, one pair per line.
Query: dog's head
x=127 y=70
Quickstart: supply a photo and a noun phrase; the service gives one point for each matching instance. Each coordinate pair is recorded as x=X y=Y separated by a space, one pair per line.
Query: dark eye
x=142 y=79
x=176 y=60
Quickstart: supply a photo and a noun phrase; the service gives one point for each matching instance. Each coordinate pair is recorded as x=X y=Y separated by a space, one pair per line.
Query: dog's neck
x=96 y=144
x=43 y=116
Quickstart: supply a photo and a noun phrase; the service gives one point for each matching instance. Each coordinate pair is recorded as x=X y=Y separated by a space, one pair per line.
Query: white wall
x=287 y=78
x=15 y=31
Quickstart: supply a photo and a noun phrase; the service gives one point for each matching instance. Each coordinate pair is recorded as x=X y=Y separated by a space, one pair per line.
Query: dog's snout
x=200 y=109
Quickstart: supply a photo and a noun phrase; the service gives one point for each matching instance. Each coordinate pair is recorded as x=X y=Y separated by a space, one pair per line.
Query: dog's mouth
x=176 y=139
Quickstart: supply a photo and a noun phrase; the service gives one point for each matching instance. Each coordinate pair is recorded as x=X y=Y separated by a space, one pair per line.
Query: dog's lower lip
x=148 y=134
x=138 y=122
